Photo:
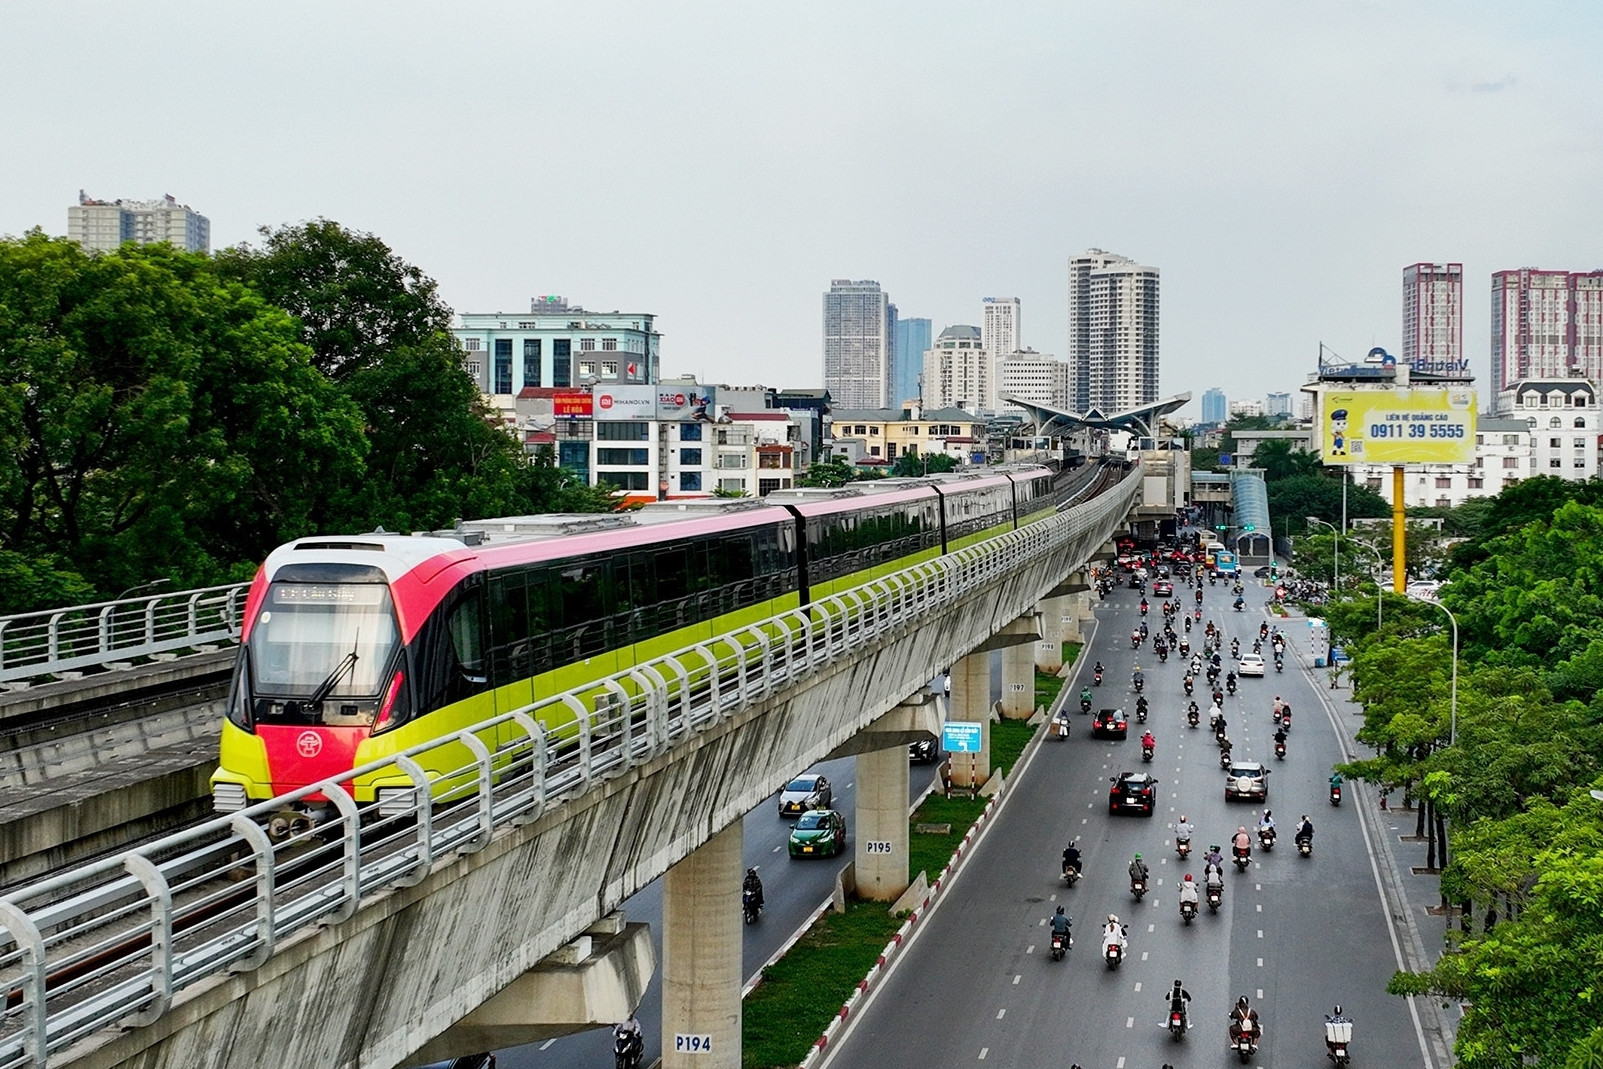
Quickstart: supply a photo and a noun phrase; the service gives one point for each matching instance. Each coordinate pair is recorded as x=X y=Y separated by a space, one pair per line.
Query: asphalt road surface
x=1295 y=935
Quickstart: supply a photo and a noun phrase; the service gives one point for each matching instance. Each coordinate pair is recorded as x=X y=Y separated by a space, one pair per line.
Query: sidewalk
x=1412 y=893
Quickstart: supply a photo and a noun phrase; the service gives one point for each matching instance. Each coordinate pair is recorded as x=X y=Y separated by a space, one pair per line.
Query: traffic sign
x=961 y=736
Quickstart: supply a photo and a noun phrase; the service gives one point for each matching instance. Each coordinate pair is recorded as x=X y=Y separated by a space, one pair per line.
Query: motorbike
x=1135 y=640
x=627 y=1050
x=1305 y=846
x=1177 y=1018
x=1146 y=753
x=1188 y=911
x=1280 y=750
x=1139 y=685
x=1224 y=757
x=1215 y=895
x=1338 y=1034
x=1244 y=1040
x=1185 y=648
x=1335 y=794
x=1085 y=705
x=1213 y=673
x=1277 y=716
x=1096 y=677
x=1242 y=857
x=1060 y=945
x=1141 y=713
x=1235 y=649
x=749 y=908
x=1230 y=684
x=1239 y=605
x=1163 y=654
x=1138 y=888
x=1071 y=874
x=1113 y=954
x=1182 y=847
x=1192 y=718
x=1060 y=723
x=1266 y=838
x=1279 y=664
x=1285 y=720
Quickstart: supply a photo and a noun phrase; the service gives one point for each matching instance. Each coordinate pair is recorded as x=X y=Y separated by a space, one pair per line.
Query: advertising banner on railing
x=1397 y=426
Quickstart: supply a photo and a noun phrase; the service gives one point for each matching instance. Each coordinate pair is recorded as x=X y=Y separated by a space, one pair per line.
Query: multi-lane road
x=1295 y=935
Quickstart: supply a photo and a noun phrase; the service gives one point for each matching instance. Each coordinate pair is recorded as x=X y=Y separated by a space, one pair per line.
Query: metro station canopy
x=1141 y=421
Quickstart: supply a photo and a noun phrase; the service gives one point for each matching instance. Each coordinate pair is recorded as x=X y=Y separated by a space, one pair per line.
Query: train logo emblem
x=310 y=744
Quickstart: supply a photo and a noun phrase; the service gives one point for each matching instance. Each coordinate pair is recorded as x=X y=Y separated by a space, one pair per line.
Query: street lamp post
x=1335 y=581
x=1379 y=566
x=1452 y=729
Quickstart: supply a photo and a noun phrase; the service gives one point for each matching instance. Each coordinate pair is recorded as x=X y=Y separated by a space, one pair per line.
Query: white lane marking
x=1260 y=963
x=1143 y=955
x=1053 y=897
x=1041 y=921
x=983 y=1052
x=1152 y=927
x=547 y=1043
x=1001 y=1013
x=1120 y=1063
x=1259 y=907
x=775 y=850
x=1129 y=1022
x=1017 y=978
x=1259 y=994
x=1138 y=985
x=849 y=786
x=1260 y=933
x=1085 y=820
x=1030 y=949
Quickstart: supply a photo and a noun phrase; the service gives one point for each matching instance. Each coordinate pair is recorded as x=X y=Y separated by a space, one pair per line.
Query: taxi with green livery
x=819 y=833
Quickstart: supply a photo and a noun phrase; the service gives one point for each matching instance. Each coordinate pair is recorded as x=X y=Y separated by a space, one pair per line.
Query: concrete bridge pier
x=971 y=701
x=879 y=829
x=1060 y=621
x=1019 y=640
x=701 y=942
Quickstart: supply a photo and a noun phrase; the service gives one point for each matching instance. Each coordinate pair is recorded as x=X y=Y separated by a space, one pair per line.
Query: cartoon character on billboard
x=1338 y=433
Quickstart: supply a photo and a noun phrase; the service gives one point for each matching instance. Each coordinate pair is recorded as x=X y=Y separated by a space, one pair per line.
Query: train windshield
x=323 y=640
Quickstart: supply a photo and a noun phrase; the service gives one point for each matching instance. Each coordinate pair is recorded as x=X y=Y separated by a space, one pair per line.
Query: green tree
x=1292 y=498
x=159 y=420
x=910 y=465
x=1284 y=458
x=828 y=473
x=356 y=300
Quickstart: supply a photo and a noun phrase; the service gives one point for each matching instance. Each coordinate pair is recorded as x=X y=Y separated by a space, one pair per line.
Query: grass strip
x=803 y=991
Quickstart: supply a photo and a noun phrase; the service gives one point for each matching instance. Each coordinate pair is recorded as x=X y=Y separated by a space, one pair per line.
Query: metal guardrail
x=112 y=943
x=107 y=632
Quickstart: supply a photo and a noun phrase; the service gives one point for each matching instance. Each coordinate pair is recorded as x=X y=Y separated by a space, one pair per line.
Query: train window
x=510 y=628
x=735 y=555
x=637 y=587
x=467 y=637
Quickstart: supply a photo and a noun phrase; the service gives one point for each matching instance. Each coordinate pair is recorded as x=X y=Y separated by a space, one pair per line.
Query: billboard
x=1400 y=426
x=684 y=403
x=625 y=402
x=571 y=404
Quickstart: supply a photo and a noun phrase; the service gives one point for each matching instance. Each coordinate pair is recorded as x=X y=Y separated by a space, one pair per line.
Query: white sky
x=718 y=163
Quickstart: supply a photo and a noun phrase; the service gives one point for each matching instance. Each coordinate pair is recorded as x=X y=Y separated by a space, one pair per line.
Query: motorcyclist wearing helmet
x=1183 y=830
x=1148 y=742
x=1179 y=996
x=1280 y=736
x=1244 y=1014
x=1213 y=860
x=1138 y=870
x=1071 y=856
x=1061 y=922
x=1188 y=890
x=1305 y=830
x=1097 y=668
x=754 y=884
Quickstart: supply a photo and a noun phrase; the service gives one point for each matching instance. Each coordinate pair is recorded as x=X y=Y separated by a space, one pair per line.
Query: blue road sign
x=961 y=736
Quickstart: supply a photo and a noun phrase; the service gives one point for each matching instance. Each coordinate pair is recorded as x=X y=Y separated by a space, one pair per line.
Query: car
x=1262 y=573
x=924 y=751
x=1247 y=780
x=1251 y=665
x=804 y=793
x=819 y=833
x=1133 y=792
x=1162 y=588
x=1110 y=724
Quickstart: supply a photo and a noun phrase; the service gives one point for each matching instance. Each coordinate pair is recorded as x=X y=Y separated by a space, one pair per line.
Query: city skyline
x=746 y=193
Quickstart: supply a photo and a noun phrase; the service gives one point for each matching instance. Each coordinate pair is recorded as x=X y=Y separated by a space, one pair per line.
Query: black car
x=1110 y=724
x=1133 y=792
x=1262 y=573
x=924 y=751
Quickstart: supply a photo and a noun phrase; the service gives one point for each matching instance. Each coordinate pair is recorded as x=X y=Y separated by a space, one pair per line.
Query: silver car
x=1249 y=780
x=804 y=793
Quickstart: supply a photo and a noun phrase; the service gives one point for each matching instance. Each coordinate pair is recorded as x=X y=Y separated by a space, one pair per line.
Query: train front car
x=324 y=664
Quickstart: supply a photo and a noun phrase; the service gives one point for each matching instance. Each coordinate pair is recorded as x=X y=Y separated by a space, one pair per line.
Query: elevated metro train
x=357 y=647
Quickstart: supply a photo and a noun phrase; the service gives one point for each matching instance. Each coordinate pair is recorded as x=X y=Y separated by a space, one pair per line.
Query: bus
x=1224 y=563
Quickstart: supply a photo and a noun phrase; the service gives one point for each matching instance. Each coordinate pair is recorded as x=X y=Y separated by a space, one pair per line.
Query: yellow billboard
x=1427 y=425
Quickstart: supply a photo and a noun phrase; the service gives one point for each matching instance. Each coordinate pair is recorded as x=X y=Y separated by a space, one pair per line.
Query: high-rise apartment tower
x=1214 y=406
x=859 y=343
x=1546 y=325
x=1433 y=316
x=1113 y=332
x=105 y=225
x=912 y=339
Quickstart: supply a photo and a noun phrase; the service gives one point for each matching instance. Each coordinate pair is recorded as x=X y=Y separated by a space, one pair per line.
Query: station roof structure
x=1249 y=502
x=1141 y=420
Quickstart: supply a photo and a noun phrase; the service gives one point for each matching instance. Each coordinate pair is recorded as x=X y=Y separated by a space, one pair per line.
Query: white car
x=1251 y=665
